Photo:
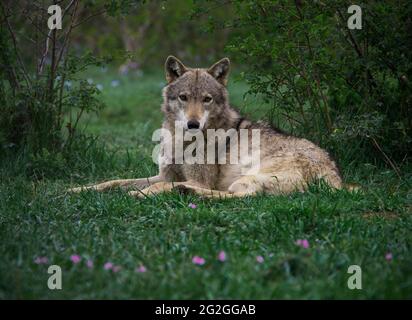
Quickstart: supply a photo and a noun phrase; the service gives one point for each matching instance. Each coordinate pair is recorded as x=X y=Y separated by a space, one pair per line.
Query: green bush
x=42 y=93
x=349 y=90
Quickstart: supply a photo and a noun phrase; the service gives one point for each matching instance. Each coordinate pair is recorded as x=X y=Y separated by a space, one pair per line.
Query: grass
x=163 y=233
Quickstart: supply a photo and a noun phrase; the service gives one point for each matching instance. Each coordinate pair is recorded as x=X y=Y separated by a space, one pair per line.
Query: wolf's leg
x=158 y=187
x=162 y=187
x=123 y=183
x=245 y=186
x=280 y=182
x=268 y=182
x=251 y=185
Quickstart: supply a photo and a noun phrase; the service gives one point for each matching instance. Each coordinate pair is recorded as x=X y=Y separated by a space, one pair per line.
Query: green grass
x=163 y=233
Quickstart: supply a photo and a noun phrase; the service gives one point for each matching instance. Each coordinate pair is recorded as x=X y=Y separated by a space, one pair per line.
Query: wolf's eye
x=183 y=97
x=207 y=99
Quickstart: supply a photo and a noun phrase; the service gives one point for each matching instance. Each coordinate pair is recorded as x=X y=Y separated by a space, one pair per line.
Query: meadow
x=110 y=245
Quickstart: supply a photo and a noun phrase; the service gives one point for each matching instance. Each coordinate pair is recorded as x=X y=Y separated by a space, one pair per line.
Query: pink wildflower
x=108 y=266
x=75 y=258
x=89 y=264
x=198 y=260
x=141 y=269
x=222 y=256
x=260 y=259
x=41 y=260
x=304 y=243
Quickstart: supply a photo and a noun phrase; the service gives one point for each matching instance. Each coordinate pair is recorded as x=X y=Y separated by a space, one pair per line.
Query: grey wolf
x=199 y=98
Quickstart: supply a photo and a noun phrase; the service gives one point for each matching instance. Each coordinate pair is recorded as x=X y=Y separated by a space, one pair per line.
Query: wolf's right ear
x=174 y=68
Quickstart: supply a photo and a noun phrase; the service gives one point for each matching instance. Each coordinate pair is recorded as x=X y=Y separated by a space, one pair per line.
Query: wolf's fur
x=287 y=163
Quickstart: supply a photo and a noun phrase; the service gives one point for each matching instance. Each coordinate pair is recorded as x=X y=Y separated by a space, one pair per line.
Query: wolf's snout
x=193 y=124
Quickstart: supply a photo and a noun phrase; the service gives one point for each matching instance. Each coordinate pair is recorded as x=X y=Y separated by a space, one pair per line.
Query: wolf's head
x=196 y=97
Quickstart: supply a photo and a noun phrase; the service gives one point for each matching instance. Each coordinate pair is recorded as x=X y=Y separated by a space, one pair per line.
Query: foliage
x=349 y=90
x=42 y=93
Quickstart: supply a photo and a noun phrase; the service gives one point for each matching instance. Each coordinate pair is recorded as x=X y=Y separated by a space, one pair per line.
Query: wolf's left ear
x=220 y=70
x=174 y=68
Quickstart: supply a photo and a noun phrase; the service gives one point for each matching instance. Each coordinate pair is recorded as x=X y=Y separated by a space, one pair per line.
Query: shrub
x=349 y=90
x=42 y=94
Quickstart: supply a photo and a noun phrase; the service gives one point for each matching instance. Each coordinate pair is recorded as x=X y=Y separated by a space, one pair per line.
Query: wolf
x=199 y=99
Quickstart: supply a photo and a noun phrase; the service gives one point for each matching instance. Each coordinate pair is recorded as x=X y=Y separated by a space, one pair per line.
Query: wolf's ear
x=174 y=68
x=220 y=70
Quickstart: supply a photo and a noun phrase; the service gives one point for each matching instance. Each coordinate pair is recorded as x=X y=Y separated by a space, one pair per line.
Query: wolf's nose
x=193 y=124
